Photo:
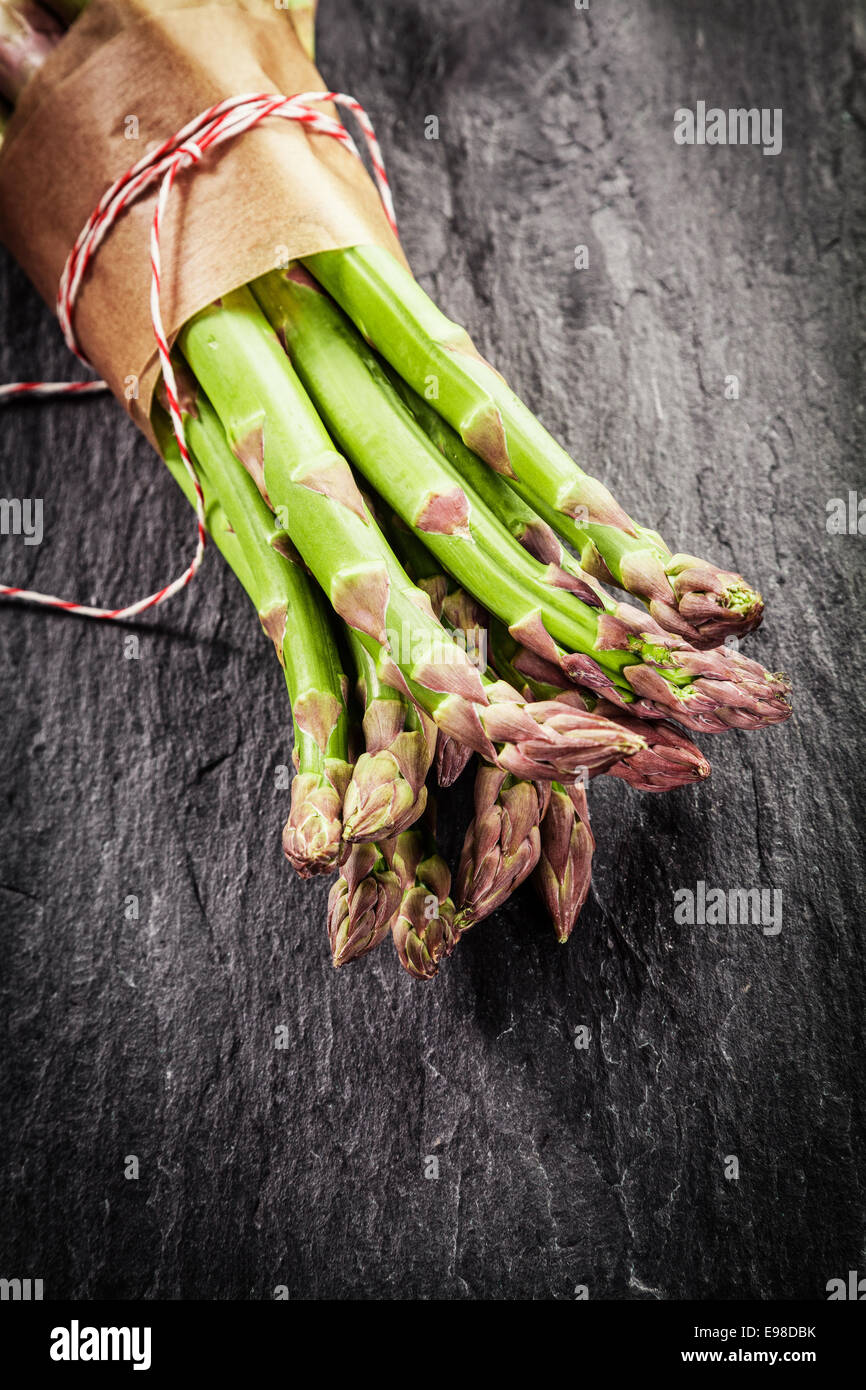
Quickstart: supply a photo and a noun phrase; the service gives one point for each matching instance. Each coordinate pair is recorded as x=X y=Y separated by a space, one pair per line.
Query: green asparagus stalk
x=513 y=511
x=453 y=605
x=375 y=430
x=502 y=843
x=386 y=793
x=459 y=612
x=361 y=904
x=293 y=614
x=364 y=901
x=623 y=653
x=522 y=521
x=564 y=869
x=247 y=376
x=436 y=356
x=217 y=523
x=463 y=617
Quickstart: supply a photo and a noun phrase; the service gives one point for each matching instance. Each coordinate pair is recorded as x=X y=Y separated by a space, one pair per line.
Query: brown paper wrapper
x=274 y=192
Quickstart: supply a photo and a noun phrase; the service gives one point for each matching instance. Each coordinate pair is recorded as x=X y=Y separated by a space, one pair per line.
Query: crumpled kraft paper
x=147 y=67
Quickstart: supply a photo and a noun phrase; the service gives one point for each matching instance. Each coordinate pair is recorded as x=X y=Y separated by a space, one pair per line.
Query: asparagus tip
x=313 y=832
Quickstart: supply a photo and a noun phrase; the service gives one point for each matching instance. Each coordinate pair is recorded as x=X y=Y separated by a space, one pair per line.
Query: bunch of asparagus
x=400 y=521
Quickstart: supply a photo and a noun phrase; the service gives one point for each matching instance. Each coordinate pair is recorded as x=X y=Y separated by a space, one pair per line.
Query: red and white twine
x=182 y=151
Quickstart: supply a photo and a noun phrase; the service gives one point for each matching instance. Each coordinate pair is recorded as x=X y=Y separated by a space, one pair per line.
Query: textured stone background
x=155 y=776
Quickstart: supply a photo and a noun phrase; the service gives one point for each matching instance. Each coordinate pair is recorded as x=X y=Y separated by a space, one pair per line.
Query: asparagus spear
x=451 y=759
x=621 y=652
x=361 y=904
x=526 y=670
x=513 y=511
x=364 y=900
x=218 y=525
x=457 y=610
x=502 y=843
x=467 y=620
x=564 y=869
x=669 y=759
x=236 y=356
x=432 y=353
x=687 y=763
x=293 y=614
x=453 y=605
x=423 y=926
x=377 y=433
x=387 y=792
x=522 y=520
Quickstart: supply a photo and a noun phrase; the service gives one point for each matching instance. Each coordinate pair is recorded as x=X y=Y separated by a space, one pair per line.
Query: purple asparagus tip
x=502 y=843
x=715 y=603
x=313 y=832
x=361 y=904
x=564 y=869
x=423 y=927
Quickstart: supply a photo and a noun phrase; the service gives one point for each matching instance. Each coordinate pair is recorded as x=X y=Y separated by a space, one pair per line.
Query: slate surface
x=154 y=776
